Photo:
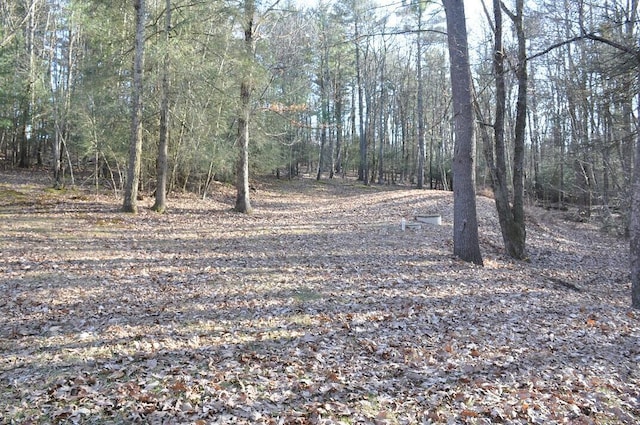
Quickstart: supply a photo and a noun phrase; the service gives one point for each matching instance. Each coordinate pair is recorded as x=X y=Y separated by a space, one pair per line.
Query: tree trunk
x=466 y=244
x=363 y=173
x=383 y=119
x=323 y=78
x=28 y=129
x=635 y=221
x=160 y=204
x=243 y=202
x=420 y=104
x=57 y=90
x=511 y=217
x=135 y=144
x=337 y=113
x=518 y=232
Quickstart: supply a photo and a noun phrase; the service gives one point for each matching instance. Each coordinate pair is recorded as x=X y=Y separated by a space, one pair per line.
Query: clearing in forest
x=317 y=309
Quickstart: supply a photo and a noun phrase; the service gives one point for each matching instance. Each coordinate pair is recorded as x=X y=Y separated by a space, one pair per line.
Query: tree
x=626 y=58
x=634 y=221
x=28 y=127
x=135 y=144
x=62 y=64
x=466 y=244
x=247 y=86
x=635 y=217
x=243 y=202
x=418 y=7
x=363 y=167
x=511 y=215
x=323 y=82
x=160 y=204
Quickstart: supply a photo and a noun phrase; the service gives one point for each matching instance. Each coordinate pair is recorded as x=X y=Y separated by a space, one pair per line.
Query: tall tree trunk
x=518 y=234
x=57 y=90
x=363 y=172
x=511 y=217
x=68 y=95
x=535 y=137
x=635 y=216
x=324 y=101
x=323 y=142
x=635 y=205
x=337 y=114
x=160 y=204
x=130 y=203
x=383 y=118
x=243 y=202
x=28 y=129
x=420 y=104
x=466 y=244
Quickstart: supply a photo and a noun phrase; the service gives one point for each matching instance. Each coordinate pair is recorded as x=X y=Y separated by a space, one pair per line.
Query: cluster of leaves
x=316 y=309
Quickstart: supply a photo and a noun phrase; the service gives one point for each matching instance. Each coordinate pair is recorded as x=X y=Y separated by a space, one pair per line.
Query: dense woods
x=174 y=95
x=330 y=89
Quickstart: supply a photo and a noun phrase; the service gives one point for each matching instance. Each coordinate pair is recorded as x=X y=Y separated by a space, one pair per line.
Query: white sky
x=473 y=11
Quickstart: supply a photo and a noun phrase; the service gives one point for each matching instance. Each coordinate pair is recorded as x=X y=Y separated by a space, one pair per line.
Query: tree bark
x=383 y=135
x=323 y=79
x=511 y=217
x=466 y=244
x=635 y=217
x=28 y=128
x=420 y=105
x=363 y=171
x=160 y=204
x=243 y=202
x=337 y=112
x=130 y=203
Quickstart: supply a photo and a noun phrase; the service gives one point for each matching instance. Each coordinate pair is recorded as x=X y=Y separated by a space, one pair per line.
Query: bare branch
x=589 y=36
x=555 y=46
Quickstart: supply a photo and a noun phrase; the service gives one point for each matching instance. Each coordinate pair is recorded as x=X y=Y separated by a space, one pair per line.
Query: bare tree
x=160 y=204
x=135 y=145
x=510 y=212
x=363 y=168
x=466 y=244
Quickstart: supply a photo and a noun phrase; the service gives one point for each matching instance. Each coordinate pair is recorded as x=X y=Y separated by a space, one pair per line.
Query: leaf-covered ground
x=317 y=309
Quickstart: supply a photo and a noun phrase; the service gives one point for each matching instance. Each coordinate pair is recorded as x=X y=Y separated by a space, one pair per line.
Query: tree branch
x=589 y=36
x=556 y=46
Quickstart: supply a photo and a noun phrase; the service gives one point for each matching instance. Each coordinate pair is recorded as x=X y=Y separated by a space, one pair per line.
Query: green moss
x=12 y=196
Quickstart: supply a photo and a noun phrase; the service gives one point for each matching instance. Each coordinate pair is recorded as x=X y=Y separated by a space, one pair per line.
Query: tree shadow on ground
x=260 y=319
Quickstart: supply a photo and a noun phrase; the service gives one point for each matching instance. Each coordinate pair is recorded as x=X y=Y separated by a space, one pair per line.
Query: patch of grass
x=111 y=221
x=306 y=295
x=55 y=191
x=12 y=196
x=72 y=193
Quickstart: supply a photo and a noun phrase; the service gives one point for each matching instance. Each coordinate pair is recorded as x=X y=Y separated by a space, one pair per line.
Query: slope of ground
x=317 y=309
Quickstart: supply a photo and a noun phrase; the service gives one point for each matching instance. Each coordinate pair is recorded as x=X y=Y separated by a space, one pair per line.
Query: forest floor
x=316 y=309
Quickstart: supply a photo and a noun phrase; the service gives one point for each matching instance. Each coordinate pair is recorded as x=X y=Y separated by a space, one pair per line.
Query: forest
x=208 y=211
x=333 y=89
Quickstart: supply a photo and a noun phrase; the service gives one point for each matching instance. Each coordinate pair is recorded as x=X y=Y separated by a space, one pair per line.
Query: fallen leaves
x=316 y=309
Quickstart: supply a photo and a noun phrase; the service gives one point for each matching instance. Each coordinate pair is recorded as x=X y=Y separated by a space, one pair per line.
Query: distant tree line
x=337 y=88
